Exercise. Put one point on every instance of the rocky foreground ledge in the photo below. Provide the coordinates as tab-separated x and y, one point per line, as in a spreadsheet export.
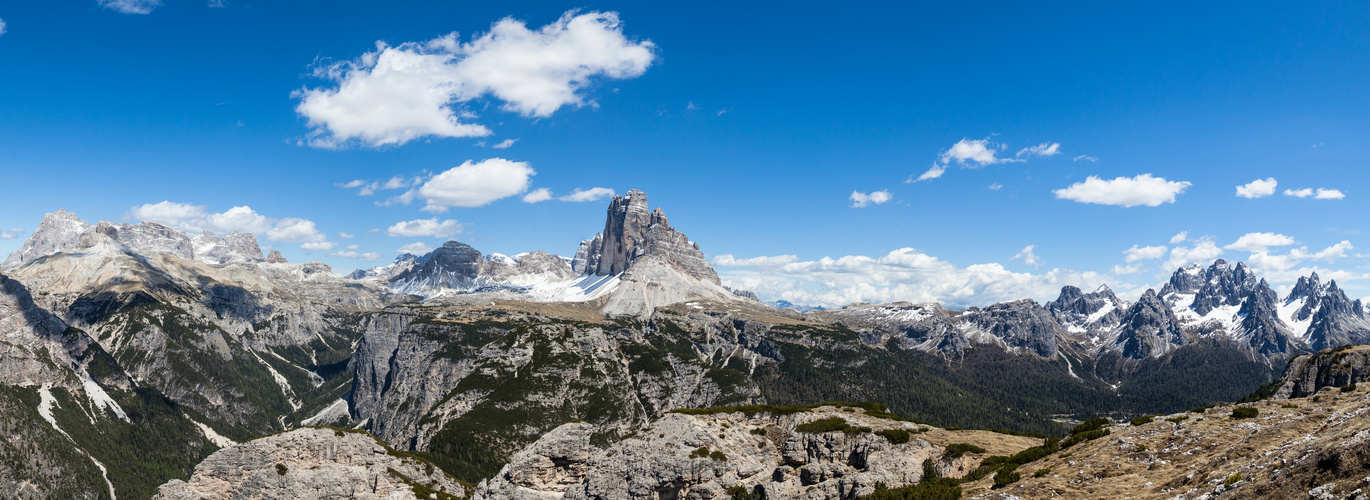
313	463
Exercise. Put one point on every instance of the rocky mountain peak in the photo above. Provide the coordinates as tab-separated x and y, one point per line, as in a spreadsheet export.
1150	328
232	247
1307	286
275	257
59	231
632	232
454	265
1079	311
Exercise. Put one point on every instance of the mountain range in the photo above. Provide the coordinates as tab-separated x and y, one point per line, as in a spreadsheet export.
133	351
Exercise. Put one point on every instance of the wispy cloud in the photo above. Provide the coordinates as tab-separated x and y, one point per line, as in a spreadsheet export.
131	6
1028	256
859	199
1044	149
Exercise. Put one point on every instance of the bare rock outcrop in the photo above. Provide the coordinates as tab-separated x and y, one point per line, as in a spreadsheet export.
1306	375
311	463
715	455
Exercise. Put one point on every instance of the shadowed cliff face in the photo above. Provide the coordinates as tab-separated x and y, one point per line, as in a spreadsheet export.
632	232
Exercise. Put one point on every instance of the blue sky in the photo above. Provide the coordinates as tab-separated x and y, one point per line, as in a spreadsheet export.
757	129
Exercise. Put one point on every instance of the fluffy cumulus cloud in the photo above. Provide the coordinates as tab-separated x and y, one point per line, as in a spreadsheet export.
193	219
1203	252
394	95
1329	194
592	194
131	6
537	195
904	274
1124	191
1179	237
471	184
1137	253
859	199
12	233
1260	242
1299	193
416	248
1043	149
425	227
505	144
1258	188
1028	257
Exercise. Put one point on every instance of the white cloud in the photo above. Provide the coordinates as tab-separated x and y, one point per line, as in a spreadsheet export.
1043	149
1085	158
2	26
131	6
859	199
1259	242
1321	193
397	94
1179	237
352	247
416	248
1263	260
1257	188
1299	193
936	171
1028	257
692	106
727	260
346	254
996	186
346	235
322	246
1128	269
1124	191
505	144
195	218
980	152
537	195
293	230
904	274
370	188
13	233
1329	194
471	185
166	212
1203	251
425	227
1136	253
591	194
241	219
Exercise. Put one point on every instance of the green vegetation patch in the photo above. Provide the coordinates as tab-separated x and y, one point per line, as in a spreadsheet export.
1143	420
1245	412
955	450
895	436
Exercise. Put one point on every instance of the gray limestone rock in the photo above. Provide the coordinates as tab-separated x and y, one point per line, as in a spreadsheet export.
310	463
712	455
1307	375
1021	323
232	247
60	230
631	232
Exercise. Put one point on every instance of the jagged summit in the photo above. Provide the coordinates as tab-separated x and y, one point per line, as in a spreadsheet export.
631	233
62	231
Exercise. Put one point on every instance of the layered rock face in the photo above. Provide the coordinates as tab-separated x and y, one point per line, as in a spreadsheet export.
232	247
714	455
311	463
59	231
455	265
1019	324
631	232
1149	328
1092	312
1310	374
